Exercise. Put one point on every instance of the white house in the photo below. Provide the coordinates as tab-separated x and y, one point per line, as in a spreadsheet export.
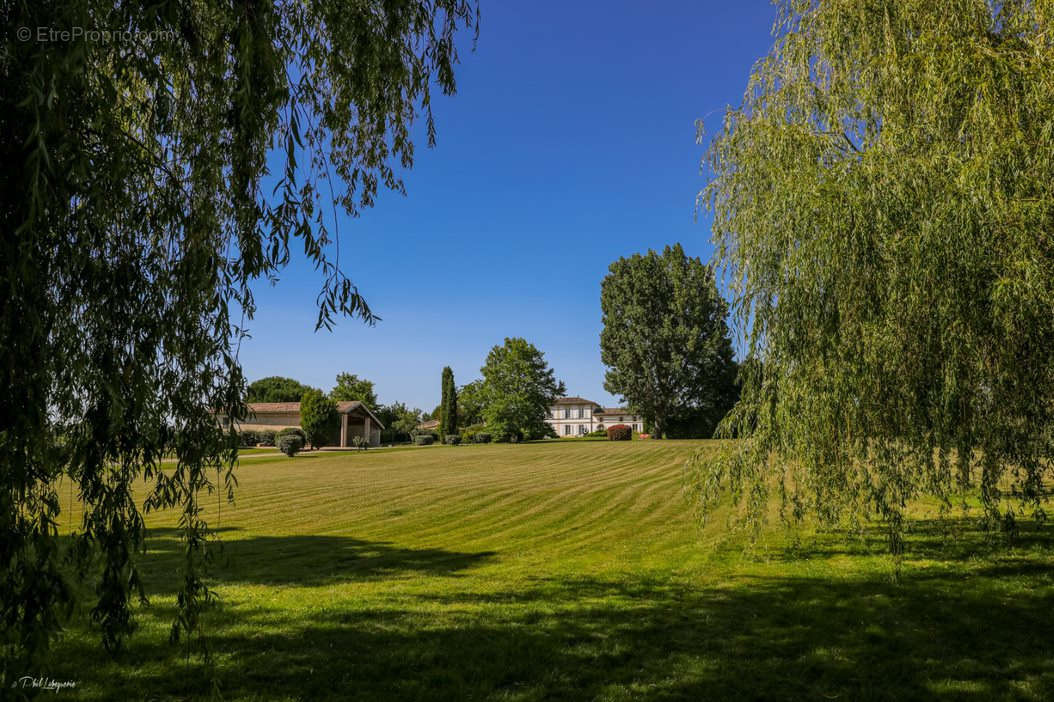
576	416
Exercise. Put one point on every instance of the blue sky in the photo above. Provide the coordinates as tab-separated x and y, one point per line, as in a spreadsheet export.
570	143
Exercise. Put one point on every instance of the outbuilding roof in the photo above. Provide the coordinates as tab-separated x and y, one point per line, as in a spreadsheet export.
346	407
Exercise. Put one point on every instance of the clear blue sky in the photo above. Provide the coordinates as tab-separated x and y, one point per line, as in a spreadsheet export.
570	143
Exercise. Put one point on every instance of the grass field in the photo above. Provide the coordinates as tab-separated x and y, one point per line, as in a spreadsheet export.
565	570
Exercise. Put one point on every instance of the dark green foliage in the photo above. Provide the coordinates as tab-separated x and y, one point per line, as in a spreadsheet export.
424	439
319	418
471	403
289	444
619	432
452	439
399	421
351	387
509	437
481	437
665	340
448	405
294	431
138	211
470	431
275	389
546	431
266	437
518	387
701	423
883	204
248	438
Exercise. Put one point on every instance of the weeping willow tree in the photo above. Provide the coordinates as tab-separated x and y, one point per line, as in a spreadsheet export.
138	206
883	206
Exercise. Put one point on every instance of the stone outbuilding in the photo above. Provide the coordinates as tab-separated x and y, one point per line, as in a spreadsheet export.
356	419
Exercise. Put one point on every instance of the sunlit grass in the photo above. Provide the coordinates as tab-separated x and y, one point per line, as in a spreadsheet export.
566	570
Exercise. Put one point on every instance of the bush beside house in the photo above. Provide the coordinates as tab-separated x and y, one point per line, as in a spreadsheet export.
289	444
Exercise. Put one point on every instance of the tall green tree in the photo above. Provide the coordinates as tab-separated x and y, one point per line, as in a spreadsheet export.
318	418
406	422
275	389
883	201
448	406
146	186
665	340
351	387
399	420
519	387
471	403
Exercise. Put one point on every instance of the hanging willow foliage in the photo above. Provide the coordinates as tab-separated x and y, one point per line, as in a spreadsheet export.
883	208
137	210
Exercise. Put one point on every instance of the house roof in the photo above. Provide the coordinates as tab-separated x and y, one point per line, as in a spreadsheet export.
273	407
347	407
574	401
614	410
430	424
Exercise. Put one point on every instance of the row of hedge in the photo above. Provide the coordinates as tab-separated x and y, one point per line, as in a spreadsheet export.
475	434
247	438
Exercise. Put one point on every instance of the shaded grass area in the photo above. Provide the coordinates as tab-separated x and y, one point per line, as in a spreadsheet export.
568	570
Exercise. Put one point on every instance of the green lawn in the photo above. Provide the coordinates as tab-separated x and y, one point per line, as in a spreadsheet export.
566	570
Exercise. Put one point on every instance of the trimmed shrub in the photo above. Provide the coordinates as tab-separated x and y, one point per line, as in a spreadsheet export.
620	432
292	430
289	444
453	439
468	434
265	437
481	437
424	439
360	442
598	432
248	438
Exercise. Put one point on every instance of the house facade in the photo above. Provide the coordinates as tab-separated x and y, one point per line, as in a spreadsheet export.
356	419
577	416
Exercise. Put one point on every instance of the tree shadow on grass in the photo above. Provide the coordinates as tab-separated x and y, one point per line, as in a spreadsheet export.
942	540
960	624
953	630
301	560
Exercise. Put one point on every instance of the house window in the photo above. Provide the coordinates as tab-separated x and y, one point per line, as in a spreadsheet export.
567	413
585	413
567	430
578	412
582	429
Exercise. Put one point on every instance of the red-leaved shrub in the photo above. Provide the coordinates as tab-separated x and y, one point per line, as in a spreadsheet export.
620	432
